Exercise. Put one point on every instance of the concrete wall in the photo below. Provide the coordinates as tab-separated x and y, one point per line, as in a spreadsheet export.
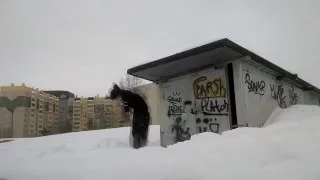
150	93
311	98
193	104
258	93
19	118
5	123
20	114
199	102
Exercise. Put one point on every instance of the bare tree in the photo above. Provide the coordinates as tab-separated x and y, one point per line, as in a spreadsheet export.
130	82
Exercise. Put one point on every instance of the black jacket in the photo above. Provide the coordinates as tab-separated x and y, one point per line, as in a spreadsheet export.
134	101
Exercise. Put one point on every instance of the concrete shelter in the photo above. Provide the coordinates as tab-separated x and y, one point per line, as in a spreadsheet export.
217	87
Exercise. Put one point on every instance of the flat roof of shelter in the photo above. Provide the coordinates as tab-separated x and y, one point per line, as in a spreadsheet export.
212	54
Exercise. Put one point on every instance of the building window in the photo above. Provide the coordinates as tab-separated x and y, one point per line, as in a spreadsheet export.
37	103
46	106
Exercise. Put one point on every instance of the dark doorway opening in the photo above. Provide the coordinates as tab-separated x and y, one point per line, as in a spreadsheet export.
234	121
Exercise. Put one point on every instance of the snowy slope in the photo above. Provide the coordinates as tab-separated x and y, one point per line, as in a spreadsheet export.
287	148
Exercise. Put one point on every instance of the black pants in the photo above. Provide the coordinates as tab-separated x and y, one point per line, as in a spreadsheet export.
140	127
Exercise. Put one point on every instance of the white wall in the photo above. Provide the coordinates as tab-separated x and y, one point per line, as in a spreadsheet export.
20	115
192	104
5	123
258	94
18	122
182	109
150	93
311	98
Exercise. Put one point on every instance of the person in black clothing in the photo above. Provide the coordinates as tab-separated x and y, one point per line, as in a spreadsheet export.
141	116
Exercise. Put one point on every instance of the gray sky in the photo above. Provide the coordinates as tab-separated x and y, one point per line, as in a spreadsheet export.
84	46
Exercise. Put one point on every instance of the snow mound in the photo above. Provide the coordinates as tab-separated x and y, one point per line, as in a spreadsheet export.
294	113
287	148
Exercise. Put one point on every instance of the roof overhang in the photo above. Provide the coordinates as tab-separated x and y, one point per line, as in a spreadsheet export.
212	54
185	62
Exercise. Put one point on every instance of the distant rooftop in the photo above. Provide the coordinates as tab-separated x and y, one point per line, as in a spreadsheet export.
58	93
90	98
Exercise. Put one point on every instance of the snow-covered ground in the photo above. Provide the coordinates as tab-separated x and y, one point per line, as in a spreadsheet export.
287	148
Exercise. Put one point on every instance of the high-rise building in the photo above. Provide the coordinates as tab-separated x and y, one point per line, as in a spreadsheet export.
119	117
108	114
68	128
76	114
65	111
98	113
27	112
90	113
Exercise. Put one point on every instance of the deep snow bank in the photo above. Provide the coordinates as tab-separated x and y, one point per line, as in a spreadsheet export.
295	113
287	149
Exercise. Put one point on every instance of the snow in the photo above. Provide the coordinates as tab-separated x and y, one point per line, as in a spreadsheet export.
286	147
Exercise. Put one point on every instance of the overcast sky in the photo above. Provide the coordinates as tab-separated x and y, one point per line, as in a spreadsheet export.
84	46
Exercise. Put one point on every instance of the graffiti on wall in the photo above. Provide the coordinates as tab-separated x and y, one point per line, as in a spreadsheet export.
207	124
203	88
212	102
256	87
277	93
293	96
212	106
193	110
175	110
212	95
175	104
182	132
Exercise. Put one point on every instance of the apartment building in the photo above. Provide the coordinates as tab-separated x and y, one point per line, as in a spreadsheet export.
108	114
49	109
119	117
98	113
27	112
90	112
68	127
76	114
65	109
